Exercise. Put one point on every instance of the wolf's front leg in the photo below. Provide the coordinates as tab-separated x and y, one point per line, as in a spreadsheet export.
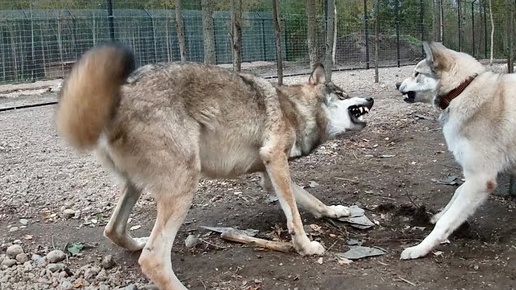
278	171
309	202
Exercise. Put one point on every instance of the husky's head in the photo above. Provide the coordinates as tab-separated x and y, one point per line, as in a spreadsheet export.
344	113
439	73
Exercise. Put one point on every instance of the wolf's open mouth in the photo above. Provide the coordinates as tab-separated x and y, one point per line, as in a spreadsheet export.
410	96
357	112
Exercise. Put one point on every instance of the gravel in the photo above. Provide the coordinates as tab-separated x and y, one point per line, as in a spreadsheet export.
43	180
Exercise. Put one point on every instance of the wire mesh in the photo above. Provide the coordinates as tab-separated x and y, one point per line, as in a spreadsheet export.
43	39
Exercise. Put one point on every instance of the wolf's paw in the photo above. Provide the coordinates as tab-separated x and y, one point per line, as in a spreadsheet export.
135	244
338	211
413	253
312	248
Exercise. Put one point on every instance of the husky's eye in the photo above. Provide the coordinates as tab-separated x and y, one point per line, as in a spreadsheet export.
416	74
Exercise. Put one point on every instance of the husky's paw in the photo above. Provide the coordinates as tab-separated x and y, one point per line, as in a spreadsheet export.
413	253
436	217
312	248
338	211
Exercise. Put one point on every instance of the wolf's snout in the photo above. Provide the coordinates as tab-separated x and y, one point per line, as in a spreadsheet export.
398	84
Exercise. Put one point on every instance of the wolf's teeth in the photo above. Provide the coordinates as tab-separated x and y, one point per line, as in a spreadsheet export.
366	109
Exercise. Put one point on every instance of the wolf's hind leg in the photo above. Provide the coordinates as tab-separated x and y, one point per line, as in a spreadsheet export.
116	229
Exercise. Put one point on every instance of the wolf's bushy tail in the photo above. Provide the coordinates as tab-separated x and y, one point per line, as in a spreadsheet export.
91	93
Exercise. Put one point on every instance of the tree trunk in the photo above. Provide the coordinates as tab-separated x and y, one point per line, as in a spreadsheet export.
376	36
180	31
208	32
236	25
311	13
492	32
510	34
277	25
328	61
334	49
441	21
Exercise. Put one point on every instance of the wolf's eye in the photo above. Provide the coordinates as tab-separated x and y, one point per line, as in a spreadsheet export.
416	74
340	95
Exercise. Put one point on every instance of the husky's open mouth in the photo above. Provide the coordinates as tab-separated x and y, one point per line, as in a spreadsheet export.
410	96
357	112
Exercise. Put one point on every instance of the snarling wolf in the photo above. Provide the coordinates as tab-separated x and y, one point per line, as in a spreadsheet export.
164	126
479	126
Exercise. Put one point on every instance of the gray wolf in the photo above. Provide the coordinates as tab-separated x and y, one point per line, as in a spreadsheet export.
478	125
164	126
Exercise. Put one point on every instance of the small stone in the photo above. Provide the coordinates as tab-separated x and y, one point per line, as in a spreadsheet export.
68	213
108	262
13	229
56	256
22	258
53	267
40	261
191	241
131	287
66	285
13	250
102	275
24	222
8	262
91	272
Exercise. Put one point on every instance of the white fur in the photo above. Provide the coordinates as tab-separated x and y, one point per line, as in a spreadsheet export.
339	120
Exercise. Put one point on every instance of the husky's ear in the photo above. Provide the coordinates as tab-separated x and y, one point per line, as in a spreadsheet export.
436	55
318	75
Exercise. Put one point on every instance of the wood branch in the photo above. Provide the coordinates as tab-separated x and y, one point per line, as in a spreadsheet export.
235	236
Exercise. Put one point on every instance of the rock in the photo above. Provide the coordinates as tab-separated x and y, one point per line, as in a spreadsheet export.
54	267
66	285
102	276
13	250
91	273
56	256
191	241
24	222
108	262
68	213
131	287
40	261
13	229
8	262
22	258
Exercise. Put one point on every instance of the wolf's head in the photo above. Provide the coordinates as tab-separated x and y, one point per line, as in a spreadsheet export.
440	72
344	113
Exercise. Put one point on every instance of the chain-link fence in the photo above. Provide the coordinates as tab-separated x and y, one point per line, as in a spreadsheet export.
41	39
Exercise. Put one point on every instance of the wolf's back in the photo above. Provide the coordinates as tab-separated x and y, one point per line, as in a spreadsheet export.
91	93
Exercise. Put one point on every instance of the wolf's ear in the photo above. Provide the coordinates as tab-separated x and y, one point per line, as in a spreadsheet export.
436	55
318	75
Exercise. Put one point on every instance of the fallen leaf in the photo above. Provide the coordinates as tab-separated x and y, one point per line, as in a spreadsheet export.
344	261
315	228
75	248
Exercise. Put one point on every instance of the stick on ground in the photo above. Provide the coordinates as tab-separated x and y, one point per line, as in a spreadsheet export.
235	236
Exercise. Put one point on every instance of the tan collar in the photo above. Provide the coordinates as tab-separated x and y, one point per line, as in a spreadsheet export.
446	99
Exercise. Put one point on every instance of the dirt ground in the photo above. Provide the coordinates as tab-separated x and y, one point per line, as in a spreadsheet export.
391	169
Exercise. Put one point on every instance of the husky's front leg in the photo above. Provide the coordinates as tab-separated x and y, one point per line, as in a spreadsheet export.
309	202
276	164
472	194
